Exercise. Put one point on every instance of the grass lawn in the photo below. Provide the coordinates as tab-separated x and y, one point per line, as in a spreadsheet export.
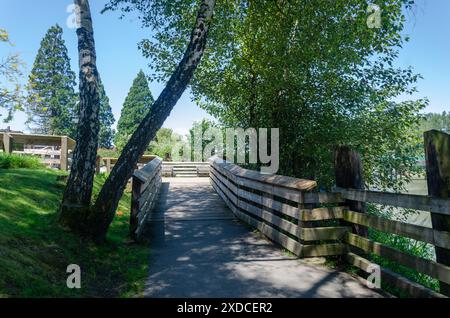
35	252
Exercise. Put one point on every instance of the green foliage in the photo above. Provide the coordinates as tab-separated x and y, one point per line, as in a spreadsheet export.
166	145
35	252
194	133
52	101
11	71
136	106
106	118
313	69
435	121
104	152
14	161
404	244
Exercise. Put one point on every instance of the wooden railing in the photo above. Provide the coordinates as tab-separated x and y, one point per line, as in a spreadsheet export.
188	168
146	184
280	207
359	246
320	224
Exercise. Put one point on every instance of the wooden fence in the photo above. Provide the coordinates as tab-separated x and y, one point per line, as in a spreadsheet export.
280	207
185	169
335	223
146	184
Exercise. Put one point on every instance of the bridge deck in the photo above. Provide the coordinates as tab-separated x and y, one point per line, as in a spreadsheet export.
198	249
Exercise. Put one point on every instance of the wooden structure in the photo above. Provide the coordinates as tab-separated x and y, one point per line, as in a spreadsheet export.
277	207
54	150
109	162
291	213
185	169
146	184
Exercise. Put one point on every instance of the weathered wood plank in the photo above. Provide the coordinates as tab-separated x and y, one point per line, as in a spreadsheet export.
320	214
224	180
408	201
323	250
420	233
283	181
421	265
324	233
231	196
437	154
411	288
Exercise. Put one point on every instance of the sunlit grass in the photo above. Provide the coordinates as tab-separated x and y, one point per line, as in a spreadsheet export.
35	252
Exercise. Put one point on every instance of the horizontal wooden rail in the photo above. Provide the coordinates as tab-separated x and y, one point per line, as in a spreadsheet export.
417	232
408	201
275	206
146	184
437	238
411	288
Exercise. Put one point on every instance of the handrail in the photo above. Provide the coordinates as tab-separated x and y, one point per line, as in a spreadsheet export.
437	238
403	200
285	211
146	184
275	205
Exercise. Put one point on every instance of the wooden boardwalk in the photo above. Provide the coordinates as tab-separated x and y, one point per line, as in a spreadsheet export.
198	249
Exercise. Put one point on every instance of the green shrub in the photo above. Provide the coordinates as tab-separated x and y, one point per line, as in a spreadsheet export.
14	161
404	244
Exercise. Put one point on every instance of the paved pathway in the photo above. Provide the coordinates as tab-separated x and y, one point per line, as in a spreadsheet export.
198	249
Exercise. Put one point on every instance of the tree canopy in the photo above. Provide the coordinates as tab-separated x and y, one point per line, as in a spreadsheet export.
11	70
320	71
135	108
106	118
52	101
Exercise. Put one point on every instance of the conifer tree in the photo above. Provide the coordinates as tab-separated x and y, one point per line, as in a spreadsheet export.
52	101
134	110
106	118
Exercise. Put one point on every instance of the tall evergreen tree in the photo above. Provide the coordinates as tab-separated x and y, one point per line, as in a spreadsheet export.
52	101
134	110
106	117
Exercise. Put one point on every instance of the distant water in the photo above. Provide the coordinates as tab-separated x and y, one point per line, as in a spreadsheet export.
419	186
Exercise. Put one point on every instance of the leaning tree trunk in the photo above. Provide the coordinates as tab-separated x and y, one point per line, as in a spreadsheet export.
77	195
103	212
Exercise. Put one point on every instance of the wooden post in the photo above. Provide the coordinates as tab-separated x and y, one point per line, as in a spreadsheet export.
64	157
135	196
437	154
349	174
7	143
97	164
108	165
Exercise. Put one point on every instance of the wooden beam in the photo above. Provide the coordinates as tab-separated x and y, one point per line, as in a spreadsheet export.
421	265
64	156
416	232
402	200
349	174
7	143
437	152
411	288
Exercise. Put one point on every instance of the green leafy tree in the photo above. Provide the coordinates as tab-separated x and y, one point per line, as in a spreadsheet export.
316	70
11	70
106	118
52	101
167	144
435	121
135	108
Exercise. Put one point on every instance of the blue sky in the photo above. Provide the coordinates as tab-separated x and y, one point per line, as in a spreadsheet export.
119	60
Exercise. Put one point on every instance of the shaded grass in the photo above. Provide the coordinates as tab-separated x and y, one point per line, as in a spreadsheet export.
35	252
